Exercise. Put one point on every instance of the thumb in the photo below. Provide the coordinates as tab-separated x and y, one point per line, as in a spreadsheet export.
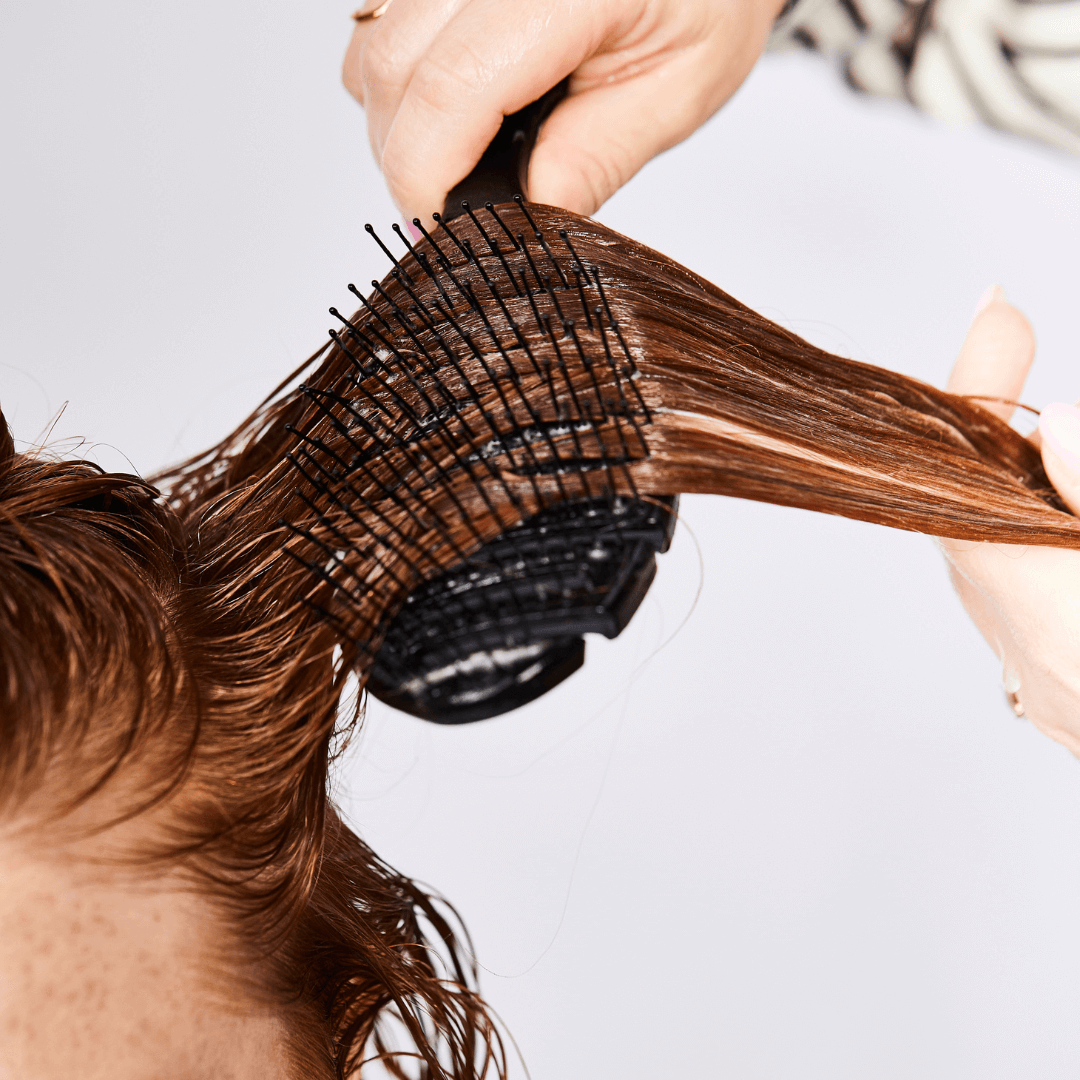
1059	426
601	135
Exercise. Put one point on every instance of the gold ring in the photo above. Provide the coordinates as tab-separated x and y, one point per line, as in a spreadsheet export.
374	13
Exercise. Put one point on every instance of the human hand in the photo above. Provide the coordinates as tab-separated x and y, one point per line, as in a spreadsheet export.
437	76
1024	600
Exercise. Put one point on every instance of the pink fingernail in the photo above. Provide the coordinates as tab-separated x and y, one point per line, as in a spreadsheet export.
413	231
992	294
1059	425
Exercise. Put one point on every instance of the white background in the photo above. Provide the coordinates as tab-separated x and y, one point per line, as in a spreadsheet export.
807	839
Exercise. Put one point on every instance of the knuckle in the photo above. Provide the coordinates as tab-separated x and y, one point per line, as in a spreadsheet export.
350	79
383	63
350	71
444	82
396	165
604	172
406	177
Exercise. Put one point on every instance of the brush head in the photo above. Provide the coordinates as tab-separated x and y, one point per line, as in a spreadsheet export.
506	626
478	416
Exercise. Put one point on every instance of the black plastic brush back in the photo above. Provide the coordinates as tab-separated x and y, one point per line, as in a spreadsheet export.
505	626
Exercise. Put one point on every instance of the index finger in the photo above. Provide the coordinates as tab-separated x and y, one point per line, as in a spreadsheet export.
384	51
490	60
996	356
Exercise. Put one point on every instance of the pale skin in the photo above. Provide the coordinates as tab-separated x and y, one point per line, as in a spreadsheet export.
108	974
437	76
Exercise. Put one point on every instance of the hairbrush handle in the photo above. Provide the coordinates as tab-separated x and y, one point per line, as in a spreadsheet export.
503	168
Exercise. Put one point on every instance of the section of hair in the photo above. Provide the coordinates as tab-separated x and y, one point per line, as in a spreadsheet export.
525	357
360	956
89	563
133	678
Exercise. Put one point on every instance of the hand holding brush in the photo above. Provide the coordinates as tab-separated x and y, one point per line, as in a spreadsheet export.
436	78
436	81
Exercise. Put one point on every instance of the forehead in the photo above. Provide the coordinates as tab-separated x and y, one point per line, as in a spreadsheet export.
118	979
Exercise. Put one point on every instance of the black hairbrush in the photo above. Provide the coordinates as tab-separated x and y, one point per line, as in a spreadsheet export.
485	458
483	465
506	625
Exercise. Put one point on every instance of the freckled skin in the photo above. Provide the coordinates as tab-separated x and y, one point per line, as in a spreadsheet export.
104	977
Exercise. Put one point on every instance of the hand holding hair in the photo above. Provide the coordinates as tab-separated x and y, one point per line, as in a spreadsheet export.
437	76
1024	600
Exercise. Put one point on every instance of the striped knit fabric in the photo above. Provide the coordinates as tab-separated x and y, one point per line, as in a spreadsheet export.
1014	64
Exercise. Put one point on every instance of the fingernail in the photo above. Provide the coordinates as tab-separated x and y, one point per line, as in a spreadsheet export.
992	294
413	231
1010	683
1059	425
1010	680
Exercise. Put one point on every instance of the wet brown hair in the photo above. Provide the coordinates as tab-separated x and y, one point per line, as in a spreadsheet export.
130	687
509	364
534	357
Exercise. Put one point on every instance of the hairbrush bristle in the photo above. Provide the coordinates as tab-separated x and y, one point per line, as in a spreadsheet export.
485	374
524	369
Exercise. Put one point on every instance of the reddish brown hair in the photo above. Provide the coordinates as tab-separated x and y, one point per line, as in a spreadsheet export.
220	622
132	674
493	375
